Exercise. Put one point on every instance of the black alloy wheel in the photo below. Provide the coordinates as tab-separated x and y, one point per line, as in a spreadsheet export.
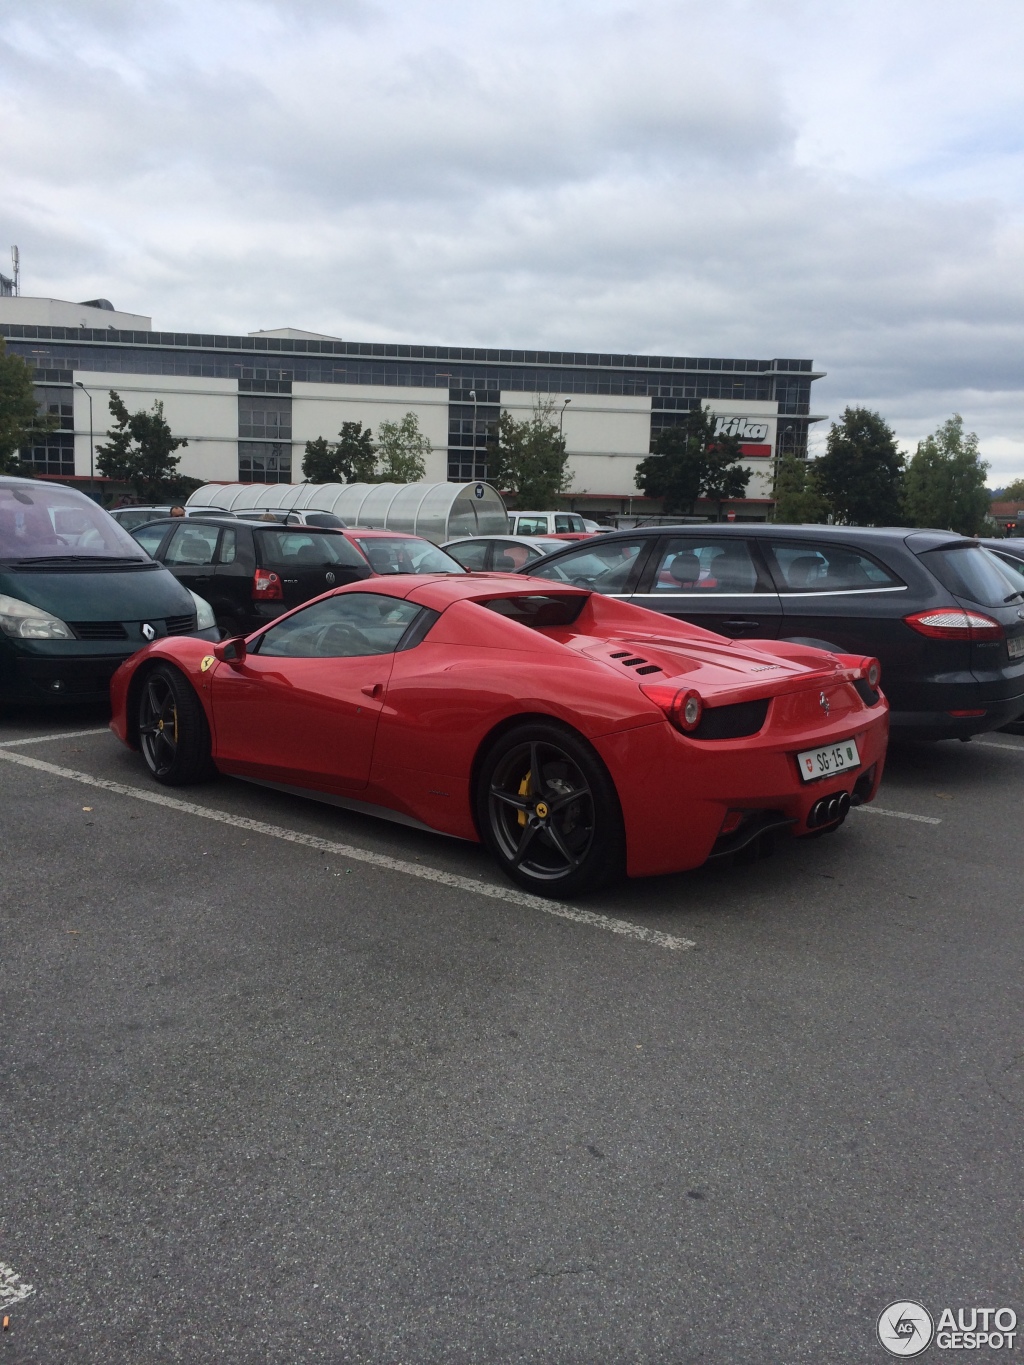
548	811
173	734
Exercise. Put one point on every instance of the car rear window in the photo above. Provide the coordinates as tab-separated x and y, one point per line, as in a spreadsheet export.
291	547
540	611
977	574
406	554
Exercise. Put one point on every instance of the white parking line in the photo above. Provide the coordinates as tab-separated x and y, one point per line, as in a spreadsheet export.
13	1288
900	814
46	739
362	855
1006	748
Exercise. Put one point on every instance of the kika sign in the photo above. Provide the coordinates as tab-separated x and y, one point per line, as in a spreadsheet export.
744	428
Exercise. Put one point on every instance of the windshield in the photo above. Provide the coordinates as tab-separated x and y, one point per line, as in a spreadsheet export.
47	522
298	545
406	554
976	574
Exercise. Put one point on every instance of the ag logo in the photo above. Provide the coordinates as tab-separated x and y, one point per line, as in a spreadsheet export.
148	631
905	1328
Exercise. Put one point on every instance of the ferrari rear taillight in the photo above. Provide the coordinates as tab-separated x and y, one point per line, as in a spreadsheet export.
266	586
953	623
682	706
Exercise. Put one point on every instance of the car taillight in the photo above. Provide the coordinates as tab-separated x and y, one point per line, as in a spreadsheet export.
266	586
952	623
872	672
682	706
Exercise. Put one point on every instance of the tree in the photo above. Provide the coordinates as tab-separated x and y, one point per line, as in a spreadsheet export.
945	481
692	461
861	472
528	459
140	453
352	459
797	495
21	422
320	461
402	449
1013	492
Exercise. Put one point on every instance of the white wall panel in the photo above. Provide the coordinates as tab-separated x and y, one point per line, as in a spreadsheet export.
592	423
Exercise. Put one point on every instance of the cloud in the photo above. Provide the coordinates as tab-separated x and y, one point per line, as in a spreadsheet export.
736	178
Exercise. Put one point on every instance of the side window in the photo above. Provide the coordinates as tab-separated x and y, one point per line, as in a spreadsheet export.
471	555
532	526
564	523
342	627
691	564
193	544
228	547
806	567
149	537
600	565
508	556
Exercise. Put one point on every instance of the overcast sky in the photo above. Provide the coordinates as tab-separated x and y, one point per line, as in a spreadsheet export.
834	179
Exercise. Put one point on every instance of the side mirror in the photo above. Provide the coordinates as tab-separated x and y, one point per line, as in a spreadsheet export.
231	651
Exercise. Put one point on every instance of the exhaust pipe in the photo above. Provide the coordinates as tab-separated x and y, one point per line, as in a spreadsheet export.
830	810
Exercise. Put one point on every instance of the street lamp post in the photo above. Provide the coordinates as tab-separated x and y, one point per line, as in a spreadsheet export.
80	385
472	394
565	404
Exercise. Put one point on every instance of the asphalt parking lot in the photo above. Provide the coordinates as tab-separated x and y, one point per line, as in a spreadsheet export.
282	1083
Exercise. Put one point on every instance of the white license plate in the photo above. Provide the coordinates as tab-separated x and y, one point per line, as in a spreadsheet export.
1015	647
834	758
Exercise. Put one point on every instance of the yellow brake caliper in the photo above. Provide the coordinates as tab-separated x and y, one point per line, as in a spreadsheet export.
524	790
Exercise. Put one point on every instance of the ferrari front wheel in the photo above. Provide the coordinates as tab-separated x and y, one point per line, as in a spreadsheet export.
548	811
173	734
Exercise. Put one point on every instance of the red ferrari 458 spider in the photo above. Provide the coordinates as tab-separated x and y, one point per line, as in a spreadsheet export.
577	736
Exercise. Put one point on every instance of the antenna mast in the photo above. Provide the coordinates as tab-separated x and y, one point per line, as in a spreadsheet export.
16	262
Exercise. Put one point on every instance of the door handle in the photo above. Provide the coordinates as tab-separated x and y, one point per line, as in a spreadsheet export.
741	625
375	690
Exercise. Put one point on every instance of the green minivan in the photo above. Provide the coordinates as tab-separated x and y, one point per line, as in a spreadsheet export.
78	595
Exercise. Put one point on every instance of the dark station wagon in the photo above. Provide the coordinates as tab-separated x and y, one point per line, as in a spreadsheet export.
944	616
252	571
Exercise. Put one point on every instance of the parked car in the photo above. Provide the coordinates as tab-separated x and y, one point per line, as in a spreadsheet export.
132	517
502	554
943	614
77	596
576	737
289	517
393	552
252	571
546	524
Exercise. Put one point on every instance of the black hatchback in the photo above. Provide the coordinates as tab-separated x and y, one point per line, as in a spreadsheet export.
252	571
943	615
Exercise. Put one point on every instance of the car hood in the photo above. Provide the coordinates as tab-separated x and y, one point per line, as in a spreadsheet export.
719	669
130	593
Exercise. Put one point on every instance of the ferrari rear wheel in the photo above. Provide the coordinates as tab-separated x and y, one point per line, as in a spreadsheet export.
548	811
173	734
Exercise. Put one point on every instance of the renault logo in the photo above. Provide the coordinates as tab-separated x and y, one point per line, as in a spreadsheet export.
148	631
823	703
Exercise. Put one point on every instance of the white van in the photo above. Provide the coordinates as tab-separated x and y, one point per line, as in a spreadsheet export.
546	523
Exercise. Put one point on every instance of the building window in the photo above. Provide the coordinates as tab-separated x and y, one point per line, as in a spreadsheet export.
469	431
52	454
264	462
262	418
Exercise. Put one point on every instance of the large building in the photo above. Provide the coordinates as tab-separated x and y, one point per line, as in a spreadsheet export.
248	404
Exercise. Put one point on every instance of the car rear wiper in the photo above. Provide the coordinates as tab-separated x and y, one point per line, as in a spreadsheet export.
79	559
1013	597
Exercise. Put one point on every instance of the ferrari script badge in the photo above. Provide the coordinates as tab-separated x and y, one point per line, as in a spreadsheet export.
208	662
148	631
823	703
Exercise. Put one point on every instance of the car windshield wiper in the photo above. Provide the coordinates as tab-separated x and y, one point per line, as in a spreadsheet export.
79	559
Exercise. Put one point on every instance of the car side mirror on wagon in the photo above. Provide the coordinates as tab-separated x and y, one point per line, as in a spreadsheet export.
231	651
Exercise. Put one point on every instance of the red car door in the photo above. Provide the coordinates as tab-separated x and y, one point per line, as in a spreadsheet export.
302	708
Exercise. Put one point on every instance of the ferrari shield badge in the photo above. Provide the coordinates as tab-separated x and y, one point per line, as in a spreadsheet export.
208	663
